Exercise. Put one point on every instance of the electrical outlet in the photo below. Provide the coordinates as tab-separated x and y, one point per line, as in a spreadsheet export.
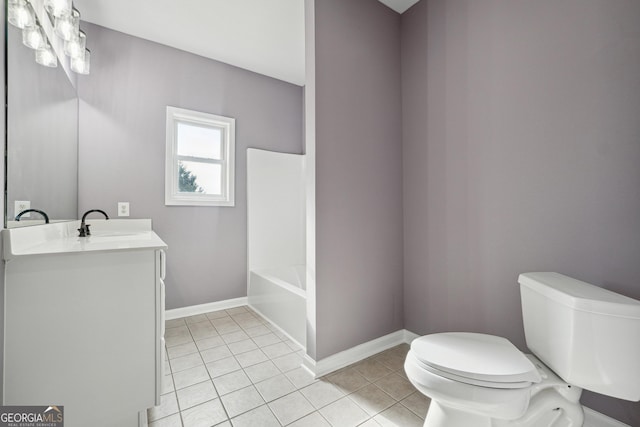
123	208
22	205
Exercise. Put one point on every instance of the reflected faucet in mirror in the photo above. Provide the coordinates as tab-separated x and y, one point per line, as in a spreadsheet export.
44	215
84	227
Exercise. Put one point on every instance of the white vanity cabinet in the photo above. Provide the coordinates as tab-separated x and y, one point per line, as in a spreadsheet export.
84	328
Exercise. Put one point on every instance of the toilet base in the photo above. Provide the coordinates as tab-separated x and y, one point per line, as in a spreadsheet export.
442	416
549	407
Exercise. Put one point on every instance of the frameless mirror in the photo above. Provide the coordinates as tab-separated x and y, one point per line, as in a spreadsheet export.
42	137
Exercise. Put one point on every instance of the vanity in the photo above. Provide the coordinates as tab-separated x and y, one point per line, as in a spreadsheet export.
84	320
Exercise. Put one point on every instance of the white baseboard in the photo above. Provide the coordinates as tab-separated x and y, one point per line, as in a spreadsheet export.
596	419
357	353
193	310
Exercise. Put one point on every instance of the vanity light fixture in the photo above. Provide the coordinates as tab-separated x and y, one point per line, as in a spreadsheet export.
65	21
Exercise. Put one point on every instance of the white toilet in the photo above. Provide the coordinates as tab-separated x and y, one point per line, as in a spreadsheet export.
583	337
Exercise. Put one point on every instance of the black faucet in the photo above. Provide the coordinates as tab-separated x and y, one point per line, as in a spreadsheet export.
46	217
84	228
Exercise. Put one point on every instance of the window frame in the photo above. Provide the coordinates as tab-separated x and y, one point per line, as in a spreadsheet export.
173	197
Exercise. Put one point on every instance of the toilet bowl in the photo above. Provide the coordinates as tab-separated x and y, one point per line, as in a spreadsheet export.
483	380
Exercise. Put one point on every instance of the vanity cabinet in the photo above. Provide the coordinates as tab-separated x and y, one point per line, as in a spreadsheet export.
85	328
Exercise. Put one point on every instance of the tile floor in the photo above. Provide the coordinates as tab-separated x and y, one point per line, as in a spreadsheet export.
233	368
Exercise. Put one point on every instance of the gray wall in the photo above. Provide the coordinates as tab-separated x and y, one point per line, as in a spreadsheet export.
521	151
358	174
122	151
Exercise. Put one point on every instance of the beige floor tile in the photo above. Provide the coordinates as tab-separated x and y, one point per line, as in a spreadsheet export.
204	415
276	350
392	359
175	340
190	377
372	399
371	370
344	413
370	423
257	331
417	403
229	383
234	337
182	330
241	401
166	384
266	339
211	342
168	406
196	394
228	328
222	367
291	407
174	323
395	386
170	421
321	393
252	357
236	310
300	377
274	388
182	350
185	362
216	314
216	353
261	371
288	362
195	319
314	419
348	380
242	346
258	417
398	416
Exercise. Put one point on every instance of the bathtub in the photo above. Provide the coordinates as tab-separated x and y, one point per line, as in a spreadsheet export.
280	296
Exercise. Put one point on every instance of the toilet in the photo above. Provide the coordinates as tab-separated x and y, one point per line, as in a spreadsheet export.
581	337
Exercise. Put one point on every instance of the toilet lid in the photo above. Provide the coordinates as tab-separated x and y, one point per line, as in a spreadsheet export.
480	357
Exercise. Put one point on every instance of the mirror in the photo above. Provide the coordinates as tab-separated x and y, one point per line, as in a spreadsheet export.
42	137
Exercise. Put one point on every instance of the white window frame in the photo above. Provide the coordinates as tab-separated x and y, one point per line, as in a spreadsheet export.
227	125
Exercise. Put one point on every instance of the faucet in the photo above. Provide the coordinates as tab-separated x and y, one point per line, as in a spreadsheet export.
46	217
84	228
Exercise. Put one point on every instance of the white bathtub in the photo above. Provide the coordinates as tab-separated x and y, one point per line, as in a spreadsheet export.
280	296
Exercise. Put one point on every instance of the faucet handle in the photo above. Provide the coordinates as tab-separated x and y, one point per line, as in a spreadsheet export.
82	232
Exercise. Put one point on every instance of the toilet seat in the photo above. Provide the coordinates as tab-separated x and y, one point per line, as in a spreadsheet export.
476	359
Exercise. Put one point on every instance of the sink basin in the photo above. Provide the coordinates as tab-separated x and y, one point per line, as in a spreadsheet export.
48	239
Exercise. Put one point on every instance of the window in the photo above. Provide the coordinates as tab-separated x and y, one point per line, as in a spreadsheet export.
200	159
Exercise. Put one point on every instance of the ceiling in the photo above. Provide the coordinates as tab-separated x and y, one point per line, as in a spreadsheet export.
266	37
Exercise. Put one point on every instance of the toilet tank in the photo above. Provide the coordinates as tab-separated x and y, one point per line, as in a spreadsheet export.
587	335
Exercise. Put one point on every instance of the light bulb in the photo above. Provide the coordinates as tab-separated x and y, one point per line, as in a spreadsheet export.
47	57
82	64
58	8
74	48
67	26
20	14
33	37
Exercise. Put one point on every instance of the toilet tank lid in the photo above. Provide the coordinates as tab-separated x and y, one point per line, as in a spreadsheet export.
580	295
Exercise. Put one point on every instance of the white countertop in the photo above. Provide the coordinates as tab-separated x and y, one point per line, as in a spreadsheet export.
62	238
